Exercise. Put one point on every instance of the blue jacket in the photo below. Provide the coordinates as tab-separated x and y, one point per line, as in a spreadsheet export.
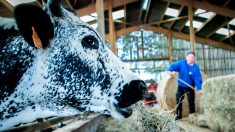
190	74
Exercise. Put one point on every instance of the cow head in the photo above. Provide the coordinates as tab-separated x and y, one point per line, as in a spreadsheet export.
71	70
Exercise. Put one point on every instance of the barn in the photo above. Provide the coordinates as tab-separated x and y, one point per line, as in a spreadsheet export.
122	45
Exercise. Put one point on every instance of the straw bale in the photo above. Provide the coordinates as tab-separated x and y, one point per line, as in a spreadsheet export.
166	94
219	103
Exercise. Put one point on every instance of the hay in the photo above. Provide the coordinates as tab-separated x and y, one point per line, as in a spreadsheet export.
166	93
219	103
108	124
198	119
157	120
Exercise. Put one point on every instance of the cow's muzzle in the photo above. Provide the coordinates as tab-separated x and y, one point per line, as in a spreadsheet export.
132	92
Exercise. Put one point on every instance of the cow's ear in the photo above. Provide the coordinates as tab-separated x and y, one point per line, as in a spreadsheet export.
34	25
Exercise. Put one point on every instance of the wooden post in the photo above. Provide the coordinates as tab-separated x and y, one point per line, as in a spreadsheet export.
112	33
142	42
204	58
100	16
169	39
192	36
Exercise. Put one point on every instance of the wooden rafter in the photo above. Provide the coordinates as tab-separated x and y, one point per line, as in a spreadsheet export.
147	11
206	6
140	12
92	8
209	19
177	35
180	10
163	13
226	37
124	16
7	4
216	28
204	24
167	20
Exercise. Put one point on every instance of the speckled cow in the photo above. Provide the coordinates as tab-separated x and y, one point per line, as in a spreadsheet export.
53	64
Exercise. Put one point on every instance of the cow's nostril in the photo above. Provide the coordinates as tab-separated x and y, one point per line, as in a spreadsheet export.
132	92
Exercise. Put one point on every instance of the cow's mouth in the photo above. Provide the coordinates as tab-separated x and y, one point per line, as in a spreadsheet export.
126	112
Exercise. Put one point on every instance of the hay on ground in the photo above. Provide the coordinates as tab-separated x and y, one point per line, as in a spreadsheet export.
198	119
219	103
157	120
166	95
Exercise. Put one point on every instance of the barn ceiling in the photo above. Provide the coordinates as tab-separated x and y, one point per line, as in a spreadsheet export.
213	20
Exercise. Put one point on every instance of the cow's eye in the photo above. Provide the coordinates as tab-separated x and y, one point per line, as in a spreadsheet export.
90	42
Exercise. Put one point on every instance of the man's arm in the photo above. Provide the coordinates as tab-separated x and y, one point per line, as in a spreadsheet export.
173	67
198	81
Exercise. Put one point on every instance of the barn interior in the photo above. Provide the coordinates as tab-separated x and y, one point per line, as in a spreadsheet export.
148	36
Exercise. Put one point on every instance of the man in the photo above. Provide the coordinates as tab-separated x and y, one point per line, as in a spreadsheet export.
188	72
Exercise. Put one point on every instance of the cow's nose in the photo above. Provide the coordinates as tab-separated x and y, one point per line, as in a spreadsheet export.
132	92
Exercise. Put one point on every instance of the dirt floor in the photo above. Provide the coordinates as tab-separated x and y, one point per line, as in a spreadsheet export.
193	128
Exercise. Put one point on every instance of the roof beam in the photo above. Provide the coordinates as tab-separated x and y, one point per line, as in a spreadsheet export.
216	28
92	8
7	4
163	13
204	24
177	35
206	6
209	19
180	10
147	11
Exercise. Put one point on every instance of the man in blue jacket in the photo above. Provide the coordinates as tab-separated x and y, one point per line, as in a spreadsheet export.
189	72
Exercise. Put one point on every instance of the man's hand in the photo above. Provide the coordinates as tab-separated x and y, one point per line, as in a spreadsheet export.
199	92
170	73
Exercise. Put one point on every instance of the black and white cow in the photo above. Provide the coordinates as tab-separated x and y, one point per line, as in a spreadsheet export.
53	64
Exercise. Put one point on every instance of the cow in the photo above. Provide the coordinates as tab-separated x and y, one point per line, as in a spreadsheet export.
53	64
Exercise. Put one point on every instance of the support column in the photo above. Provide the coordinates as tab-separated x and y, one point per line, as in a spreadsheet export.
112	32
100	16
169	39
192	35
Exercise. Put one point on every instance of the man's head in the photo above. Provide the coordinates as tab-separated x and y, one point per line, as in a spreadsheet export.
190	57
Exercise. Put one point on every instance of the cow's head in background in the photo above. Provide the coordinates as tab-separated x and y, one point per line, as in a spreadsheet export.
66	70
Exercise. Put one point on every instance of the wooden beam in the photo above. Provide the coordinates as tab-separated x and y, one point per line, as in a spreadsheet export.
167	20
204	24
179	35
169	39
216	28
92	8
209	19
191	30
226	37
124	17
163	13
112	28
147	11
206	6
140	12
7	5
100	18
180	10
